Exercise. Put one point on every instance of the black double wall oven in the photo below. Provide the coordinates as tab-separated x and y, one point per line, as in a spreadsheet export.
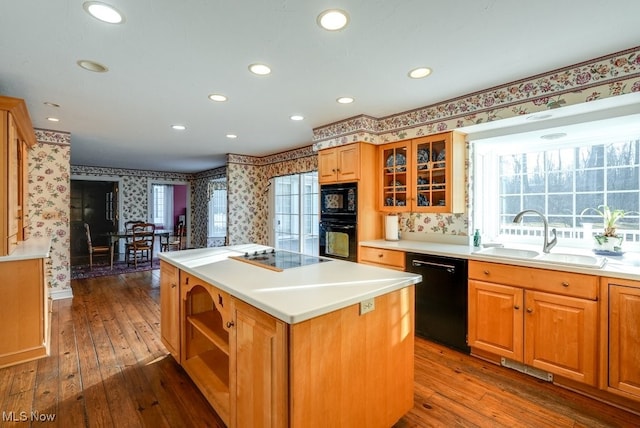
339	221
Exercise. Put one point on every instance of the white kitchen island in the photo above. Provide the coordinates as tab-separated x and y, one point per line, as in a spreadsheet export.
326	344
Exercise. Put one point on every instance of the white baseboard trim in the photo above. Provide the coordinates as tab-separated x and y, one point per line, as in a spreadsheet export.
64	293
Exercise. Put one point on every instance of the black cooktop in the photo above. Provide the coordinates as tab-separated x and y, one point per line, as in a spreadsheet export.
281	259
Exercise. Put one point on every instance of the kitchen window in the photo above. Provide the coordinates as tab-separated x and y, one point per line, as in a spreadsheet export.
295	216
217	226
560	179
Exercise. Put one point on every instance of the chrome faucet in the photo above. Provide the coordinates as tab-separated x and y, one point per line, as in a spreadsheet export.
546	246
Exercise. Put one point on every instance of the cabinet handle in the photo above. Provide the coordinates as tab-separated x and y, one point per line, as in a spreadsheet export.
486	272
173	286
516	307
381	255
230	324
529	310
333	170
565	284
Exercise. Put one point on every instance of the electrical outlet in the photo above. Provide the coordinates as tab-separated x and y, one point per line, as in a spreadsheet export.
367	306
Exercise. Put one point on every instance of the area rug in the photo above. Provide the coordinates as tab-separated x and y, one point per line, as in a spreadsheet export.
120	267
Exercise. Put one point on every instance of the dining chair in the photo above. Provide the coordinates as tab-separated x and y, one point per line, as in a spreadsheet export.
95	249
175	242
141	246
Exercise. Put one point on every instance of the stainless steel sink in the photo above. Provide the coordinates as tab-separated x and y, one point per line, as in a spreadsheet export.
512	253
567	259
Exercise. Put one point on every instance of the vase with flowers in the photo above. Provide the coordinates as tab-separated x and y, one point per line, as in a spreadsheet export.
608	241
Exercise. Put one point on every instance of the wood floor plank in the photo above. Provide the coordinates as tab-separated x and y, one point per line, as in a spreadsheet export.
45	399
71	400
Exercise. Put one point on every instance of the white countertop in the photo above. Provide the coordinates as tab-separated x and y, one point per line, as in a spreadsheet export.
293	295
32	248
624	267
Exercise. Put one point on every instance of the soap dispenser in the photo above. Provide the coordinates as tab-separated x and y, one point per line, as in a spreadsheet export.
477	239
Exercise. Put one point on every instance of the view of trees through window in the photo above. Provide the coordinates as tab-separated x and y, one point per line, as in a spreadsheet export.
561	182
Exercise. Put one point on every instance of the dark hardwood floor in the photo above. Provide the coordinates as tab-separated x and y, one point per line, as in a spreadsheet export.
108	368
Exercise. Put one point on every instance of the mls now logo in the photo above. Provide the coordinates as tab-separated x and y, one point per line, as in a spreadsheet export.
27	416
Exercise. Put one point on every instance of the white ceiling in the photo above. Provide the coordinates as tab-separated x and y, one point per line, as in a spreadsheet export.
170	55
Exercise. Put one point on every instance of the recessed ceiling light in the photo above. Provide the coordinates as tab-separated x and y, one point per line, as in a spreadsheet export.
217	97
232	136
553	136
259	69
53	119
103	12
420	72
345	100
50	104
179	127
333	19
92	66
296	117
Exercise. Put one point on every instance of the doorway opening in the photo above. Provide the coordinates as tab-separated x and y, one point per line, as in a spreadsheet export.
95	203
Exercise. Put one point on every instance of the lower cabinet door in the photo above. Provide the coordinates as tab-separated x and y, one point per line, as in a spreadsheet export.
560	335
258	371
170	308
624	337
495	319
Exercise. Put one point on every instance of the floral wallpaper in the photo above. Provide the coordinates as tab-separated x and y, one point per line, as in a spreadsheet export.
134	186
49	195
200	207
608	76
247	180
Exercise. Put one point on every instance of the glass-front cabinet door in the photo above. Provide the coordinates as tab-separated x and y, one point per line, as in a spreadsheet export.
395	173
432	178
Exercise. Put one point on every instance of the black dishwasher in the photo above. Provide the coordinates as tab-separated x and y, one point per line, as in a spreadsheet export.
441	299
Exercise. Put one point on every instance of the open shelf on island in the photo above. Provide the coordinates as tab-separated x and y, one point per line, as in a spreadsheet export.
210	371
209	325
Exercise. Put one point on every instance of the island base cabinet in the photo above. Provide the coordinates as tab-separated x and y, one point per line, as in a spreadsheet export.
624	340
205	349
170	308
259	378
352	370
24	319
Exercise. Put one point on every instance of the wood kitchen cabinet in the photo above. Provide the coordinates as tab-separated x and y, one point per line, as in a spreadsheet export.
170	308
391	259
205	353
541	318
259	377
621	338
339	164
16	137
426	174
24	319
256	370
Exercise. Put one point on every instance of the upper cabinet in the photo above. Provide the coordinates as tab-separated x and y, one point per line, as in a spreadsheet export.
16	137
425	174
338	164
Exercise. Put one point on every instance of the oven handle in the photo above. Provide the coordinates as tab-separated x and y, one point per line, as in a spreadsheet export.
420	263
338	226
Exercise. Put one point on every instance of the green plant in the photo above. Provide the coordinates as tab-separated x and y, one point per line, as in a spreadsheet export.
609	216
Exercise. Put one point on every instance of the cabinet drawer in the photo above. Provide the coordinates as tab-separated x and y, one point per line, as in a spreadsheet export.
551	281
385	258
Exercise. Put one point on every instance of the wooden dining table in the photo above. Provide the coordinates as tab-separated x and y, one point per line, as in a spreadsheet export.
115	237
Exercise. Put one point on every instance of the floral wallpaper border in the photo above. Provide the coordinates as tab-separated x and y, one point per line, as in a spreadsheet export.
603	77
